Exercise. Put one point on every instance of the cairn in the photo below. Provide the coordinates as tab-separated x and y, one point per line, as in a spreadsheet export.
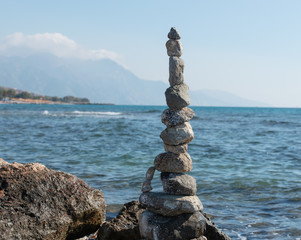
175	212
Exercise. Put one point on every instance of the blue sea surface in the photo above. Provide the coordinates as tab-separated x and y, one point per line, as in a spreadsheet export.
247	161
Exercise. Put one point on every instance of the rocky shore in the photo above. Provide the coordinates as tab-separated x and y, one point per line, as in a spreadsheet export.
40	203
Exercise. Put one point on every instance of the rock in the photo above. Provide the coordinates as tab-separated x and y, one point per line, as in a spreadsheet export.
150	173
172	118
184	226
174	34
177	96
147	186
178	183
176	71
180	134
212	232
171	162
170	205
176	149
174	48
124	226
39	203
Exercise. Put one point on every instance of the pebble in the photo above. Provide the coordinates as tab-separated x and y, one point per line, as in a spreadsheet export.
177	96
176	149
174	48
178	184
171	162
186	226
176	71
180	134
170	205
174	34
172	118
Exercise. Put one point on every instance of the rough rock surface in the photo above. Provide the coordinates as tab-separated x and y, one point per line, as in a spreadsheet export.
174	48
174	34
172	162
176	149
178	183
176	71
132	212
170	205
177	96
177	135
172	118
39	203
184	226
124	226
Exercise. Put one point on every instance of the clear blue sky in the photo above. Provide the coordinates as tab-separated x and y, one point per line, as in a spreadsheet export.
251	48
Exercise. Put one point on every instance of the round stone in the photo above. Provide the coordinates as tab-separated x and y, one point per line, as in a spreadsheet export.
174	48
174	34
178	184
176	149
176	71
177	96
176	117
170	205
185	226
180	134
171	162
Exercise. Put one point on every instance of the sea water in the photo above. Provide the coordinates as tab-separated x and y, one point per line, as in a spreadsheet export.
247	161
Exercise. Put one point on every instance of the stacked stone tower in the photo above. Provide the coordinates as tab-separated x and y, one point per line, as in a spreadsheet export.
175	212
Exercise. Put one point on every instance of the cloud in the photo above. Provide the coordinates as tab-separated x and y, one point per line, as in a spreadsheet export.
18	44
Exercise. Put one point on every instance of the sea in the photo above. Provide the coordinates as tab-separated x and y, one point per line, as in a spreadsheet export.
246	161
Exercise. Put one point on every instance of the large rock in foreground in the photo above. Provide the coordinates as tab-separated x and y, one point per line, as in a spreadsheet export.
39	203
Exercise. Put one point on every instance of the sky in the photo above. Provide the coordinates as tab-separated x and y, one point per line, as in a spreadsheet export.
250	48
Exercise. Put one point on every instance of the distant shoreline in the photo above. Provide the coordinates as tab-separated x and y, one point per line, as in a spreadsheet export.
44	102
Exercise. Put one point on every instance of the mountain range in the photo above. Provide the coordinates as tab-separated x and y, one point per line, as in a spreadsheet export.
102	81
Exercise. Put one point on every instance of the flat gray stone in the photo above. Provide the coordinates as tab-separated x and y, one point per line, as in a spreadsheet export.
172	118
178	184
177	96
176	71
184	226
176	149
174	48
180	134
174	34
170	205
171	162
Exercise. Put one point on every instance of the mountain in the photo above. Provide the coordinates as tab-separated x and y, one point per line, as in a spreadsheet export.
99	80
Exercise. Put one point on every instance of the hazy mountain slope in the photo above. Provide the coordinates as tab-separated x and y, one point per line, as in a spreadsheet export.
100	81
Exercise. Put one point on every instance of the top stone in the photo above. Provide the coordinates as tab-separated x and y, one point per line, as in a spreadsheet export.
174	34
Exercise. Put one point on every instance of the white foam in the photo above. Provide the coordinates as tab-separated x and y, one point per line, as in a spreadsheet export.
45	112
96	113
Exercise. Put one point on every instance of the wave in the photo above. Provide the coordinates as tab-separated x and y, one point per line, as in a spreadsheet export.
96	113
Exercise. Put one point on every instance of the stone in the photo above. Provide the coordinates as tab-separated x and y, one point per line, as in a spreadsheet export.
174	48
178	183
171	162
176	149
174	34
180	134
172	118
40	203
177	96
150	173
125	225
184	226
170	205
176	71
147	186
